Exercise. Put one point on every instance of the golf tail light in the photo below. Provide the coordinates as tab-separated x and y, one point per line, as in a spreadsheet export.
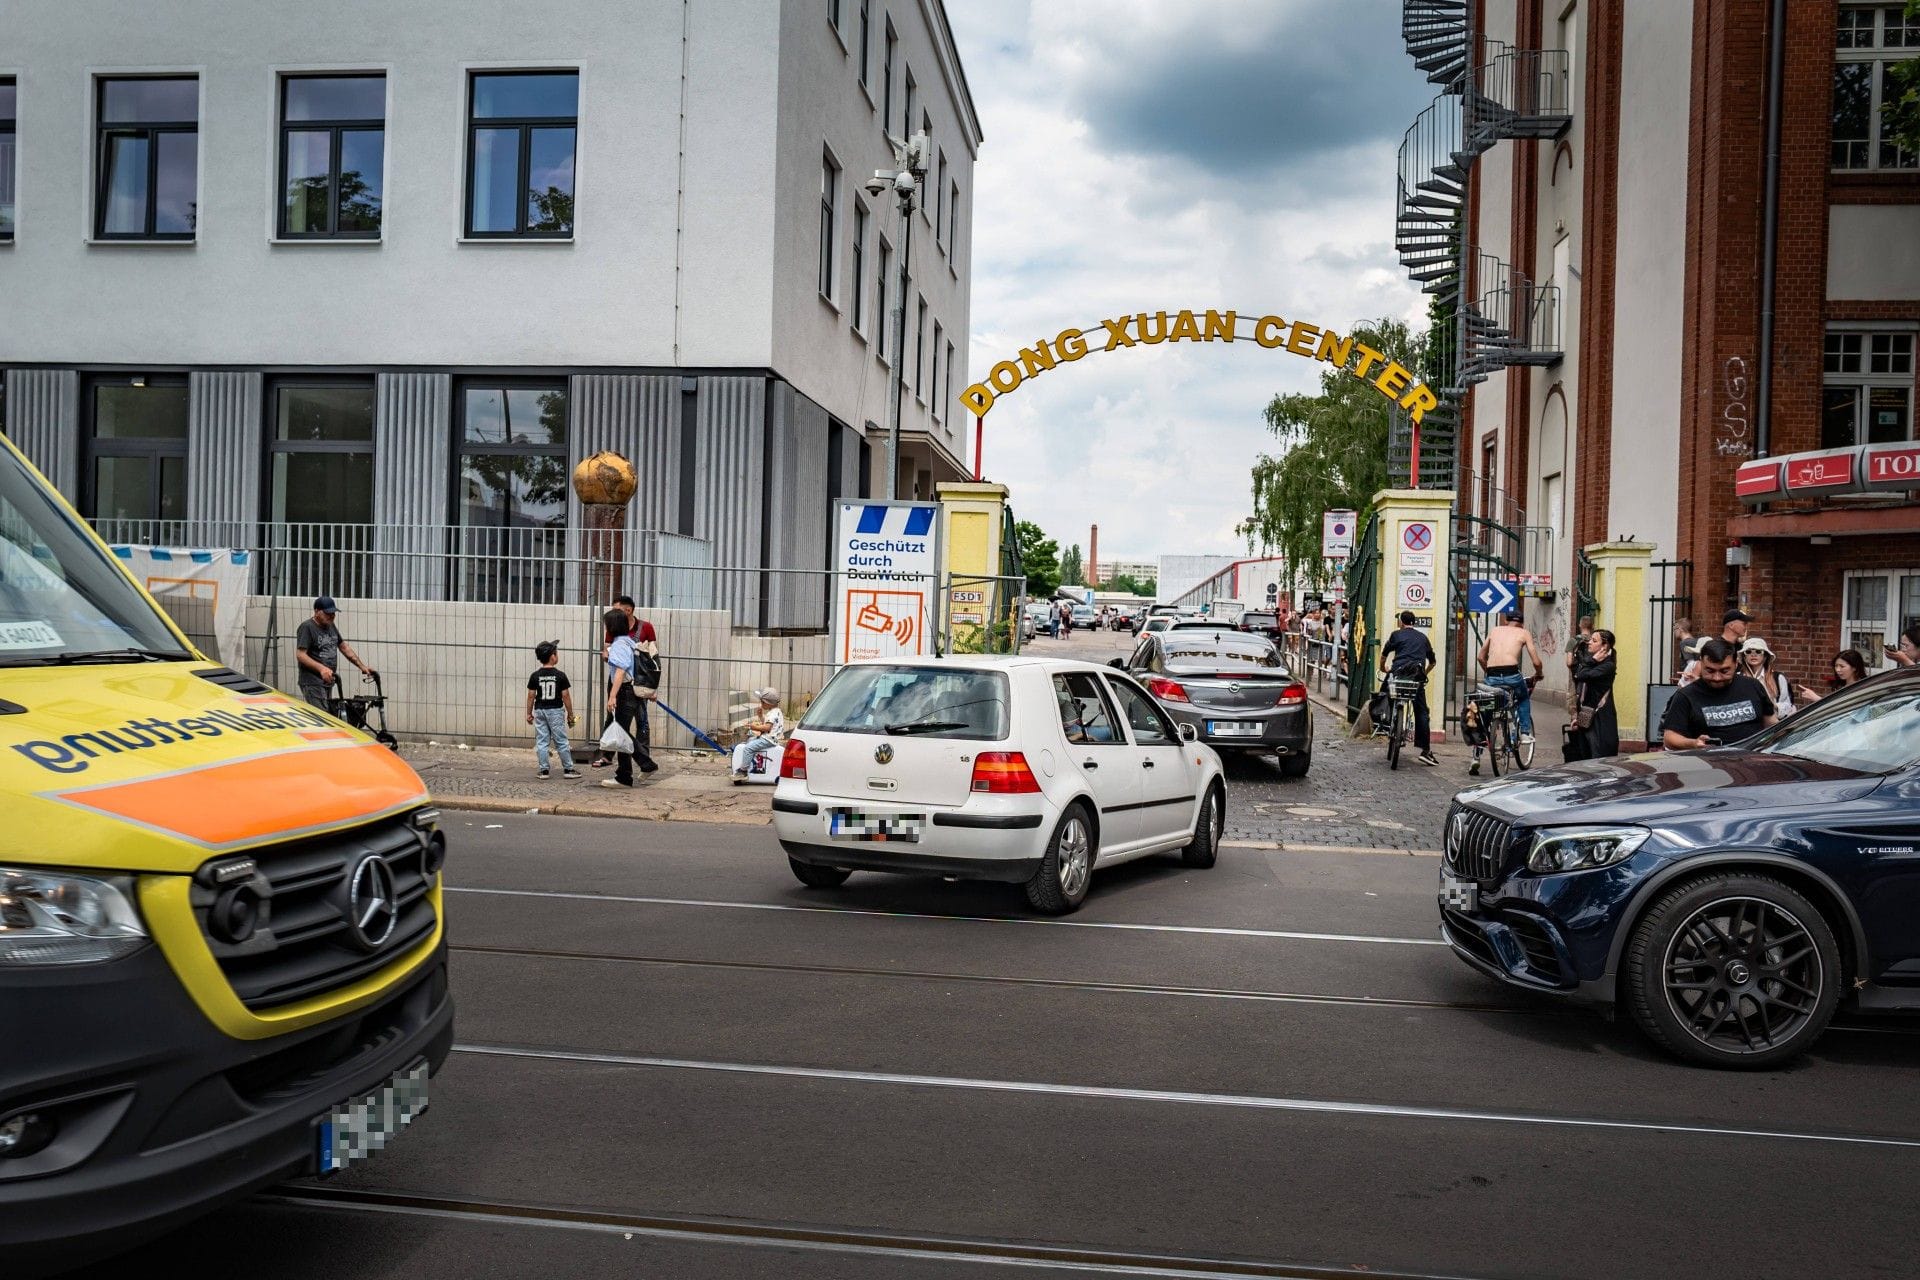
1167	690
793	760
1003	773
1294	695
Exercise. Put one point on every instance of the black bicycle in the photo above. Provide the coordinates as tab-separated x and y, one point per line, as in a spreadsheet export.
1489	723
1401	692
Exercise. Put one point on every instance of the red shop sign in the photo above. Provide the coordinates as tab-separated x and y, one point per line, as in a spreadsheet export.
1833	469
1759	481
1893	466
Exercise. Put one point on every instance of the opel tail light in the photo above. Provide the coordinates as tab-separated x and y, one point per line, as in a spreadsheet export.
1294	695
1167	690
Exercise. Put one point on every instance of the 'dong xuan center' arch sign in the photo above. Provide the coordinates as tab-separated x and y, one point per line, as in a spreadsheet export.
1393	380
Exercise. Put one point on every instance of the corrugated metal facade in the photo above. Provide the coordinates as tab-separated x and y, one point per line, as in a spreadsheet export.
412	443
43	419
796	535
639	418
729	485
223	447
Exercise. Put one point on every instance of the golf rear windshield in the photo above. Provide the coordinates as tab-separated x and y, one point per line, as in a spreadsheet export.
922	702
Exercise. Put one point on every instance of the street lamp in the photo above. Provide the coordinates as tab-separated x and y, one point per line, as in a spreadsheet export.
910	157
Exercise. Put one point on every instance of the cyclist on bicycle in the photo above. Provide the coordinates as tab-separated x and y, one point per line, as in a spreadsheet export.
1500	655
1408	655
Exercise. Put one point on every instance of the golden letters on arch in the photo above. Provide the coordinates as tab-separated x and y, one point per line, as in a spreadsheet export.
1391	378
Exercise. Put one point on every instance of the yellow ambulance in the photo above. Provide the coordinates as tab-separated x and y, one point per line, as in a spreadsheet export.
222	961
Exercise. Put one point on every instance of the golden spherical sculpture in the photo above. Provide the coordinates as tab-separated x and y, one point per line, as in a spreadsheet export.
605	479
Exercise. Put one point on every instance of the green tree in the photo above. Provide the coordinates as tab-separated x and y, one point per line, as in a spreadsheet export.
1073	571
1333	454
1039	560
1900	111
1131	585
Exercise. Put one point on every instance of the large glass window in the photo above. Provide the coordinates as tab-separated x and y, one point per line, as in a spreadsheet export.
323	453
7	96
148	159
829	196
520	148
1867	392
137	450
1870	44
333	133
512	492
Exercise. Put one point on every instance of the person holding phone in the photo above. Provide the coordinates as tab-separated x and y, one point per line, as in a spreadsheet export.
1907	652
1720	708
1849	667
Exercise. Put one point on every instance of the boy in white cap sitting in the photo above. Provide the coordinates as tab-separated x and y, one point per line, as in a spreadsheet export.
767	729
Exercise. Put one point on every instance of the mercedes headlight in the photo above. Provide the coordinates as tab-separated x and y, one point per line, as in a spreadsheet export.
1583	848
52	917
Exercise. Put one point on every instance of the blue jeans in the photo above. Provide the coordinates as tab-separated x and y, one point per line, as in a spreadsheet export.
1516	687
744	753
550	728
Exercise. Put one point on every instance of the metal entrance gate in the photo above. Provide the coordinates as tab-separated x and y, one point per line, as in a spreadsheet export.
1669	599
1364	630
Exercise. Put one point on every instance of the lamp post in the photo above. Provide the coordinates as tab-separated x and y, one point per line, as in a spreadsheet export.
904	181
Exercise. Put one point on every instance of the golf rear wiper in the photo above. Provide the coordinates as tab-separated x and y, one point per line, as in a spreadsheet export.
926	726
114	655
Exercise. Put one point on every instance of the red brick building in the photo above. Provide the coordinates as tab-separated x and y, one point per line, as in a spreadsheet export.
1616	203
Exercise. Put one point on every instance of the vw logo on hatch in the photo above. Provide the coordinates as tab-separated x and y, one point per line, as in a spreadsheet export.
373	908
883	754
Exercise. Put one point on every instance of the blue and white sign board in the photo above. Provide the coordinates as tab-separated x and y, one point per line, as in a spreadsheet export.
203	589
1336	534
1490	595
886	577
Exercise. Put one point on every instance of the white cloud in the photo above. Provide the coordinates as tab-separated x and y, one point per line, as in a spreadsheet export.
1089	204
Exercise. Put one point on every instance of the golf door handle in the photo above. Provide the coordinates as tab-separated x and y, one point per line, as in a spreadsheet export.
1089	764
1146	764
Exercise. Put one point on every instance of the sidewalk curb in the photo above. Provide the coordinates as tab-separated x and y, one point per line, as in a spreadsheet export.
575	809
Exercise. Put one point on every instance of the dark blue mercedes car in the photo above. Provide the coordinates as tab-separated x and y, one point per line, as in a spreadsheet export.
1729	899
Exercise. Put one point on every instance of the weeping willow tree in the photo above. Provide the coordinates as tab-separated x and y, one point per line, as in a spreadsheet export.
1332	454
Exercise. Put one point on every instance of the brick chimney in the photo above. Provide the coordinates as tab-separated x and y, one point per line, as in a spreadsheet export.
1093	558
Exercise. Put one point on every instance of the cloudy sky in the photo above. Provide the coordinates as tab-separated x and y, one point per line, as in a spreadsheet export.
1158	154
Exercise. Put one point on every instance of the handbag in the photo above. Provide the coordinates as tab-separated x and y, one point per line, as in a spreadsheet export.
616	739
1585	715
1576	745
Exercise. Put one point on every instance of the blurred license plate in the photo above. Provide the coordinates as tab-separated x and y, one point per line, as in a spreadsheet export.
355	1130
851	824
1461	895
1235	728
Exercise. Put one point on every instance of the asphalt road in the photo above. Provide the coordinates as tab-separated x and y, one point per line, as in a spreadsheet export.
675	1061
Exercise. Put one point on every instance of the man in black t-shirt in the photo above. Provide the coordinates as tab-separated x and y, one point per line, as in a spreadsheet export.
1720	708
1408	655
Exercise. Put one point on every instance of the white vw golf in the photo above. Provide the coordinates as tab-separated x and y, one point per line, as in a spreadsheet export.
1027	770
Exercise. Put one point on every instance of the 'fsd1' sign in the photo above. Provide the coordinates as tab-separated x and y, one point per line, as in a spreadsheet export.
1893	466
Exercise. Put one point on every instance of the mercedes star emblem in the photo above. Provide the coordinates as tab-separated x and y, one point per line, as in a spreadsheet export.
883	754
373	908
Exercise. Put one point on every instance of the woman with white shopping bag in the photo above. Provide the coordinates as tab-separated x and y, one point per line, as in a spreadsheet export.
623	704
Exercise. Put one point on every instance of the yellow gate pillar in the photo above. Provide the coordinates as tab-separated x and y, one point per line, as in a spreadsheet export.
1414	531
971	518
1620	590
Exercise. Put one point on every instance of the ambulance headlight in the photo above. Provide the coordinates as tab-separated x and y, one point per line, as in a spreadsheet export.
57	917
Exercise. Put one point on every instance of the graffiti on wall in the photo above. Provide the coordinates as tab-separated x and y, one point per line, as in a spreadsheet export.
1730	433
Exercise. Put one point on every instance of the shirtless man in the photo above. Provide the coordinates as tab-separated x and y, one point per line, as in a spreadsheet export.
1500	656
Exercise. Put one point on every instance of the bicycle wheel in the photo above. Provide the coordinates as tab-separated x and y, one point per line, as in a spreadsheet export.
1497	742
1523	751
1396	733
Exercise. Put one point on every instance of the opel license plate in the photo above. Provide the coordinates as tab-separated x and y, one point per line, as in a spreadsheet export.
355	1130
851	824
1234	728
1460	895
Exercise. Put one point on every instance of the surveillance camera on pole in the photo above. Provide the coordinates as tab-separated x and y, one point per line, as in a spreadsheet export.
910	157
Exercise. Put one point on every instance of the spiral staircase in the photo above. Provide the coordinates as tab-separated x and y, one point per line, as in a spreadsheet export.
1487	314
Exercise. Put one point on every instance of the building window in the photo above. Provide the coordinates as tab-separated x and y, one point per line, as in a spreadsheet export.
1879	606
953	220
865	52
933	383
7	94
148	159
333	133
322	453
946	395
512	492
920	352
882	290
1871	42
940	204
1867	396
829	196
833	14
137	449
521	129
906	115
859	268
886	79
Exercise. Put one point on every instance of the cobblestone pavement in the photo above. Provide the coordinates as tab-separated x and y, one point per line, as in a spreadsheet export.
1349	798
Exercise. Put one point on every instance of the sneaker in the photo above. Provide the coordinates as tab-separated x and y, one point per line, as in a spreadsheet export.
1430	759
739	775
572	775
1473	770
614	782
1526	739
542	775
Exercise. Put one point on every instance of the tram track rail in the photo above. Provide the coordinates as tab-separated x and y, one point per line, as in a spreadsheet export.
866	1241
